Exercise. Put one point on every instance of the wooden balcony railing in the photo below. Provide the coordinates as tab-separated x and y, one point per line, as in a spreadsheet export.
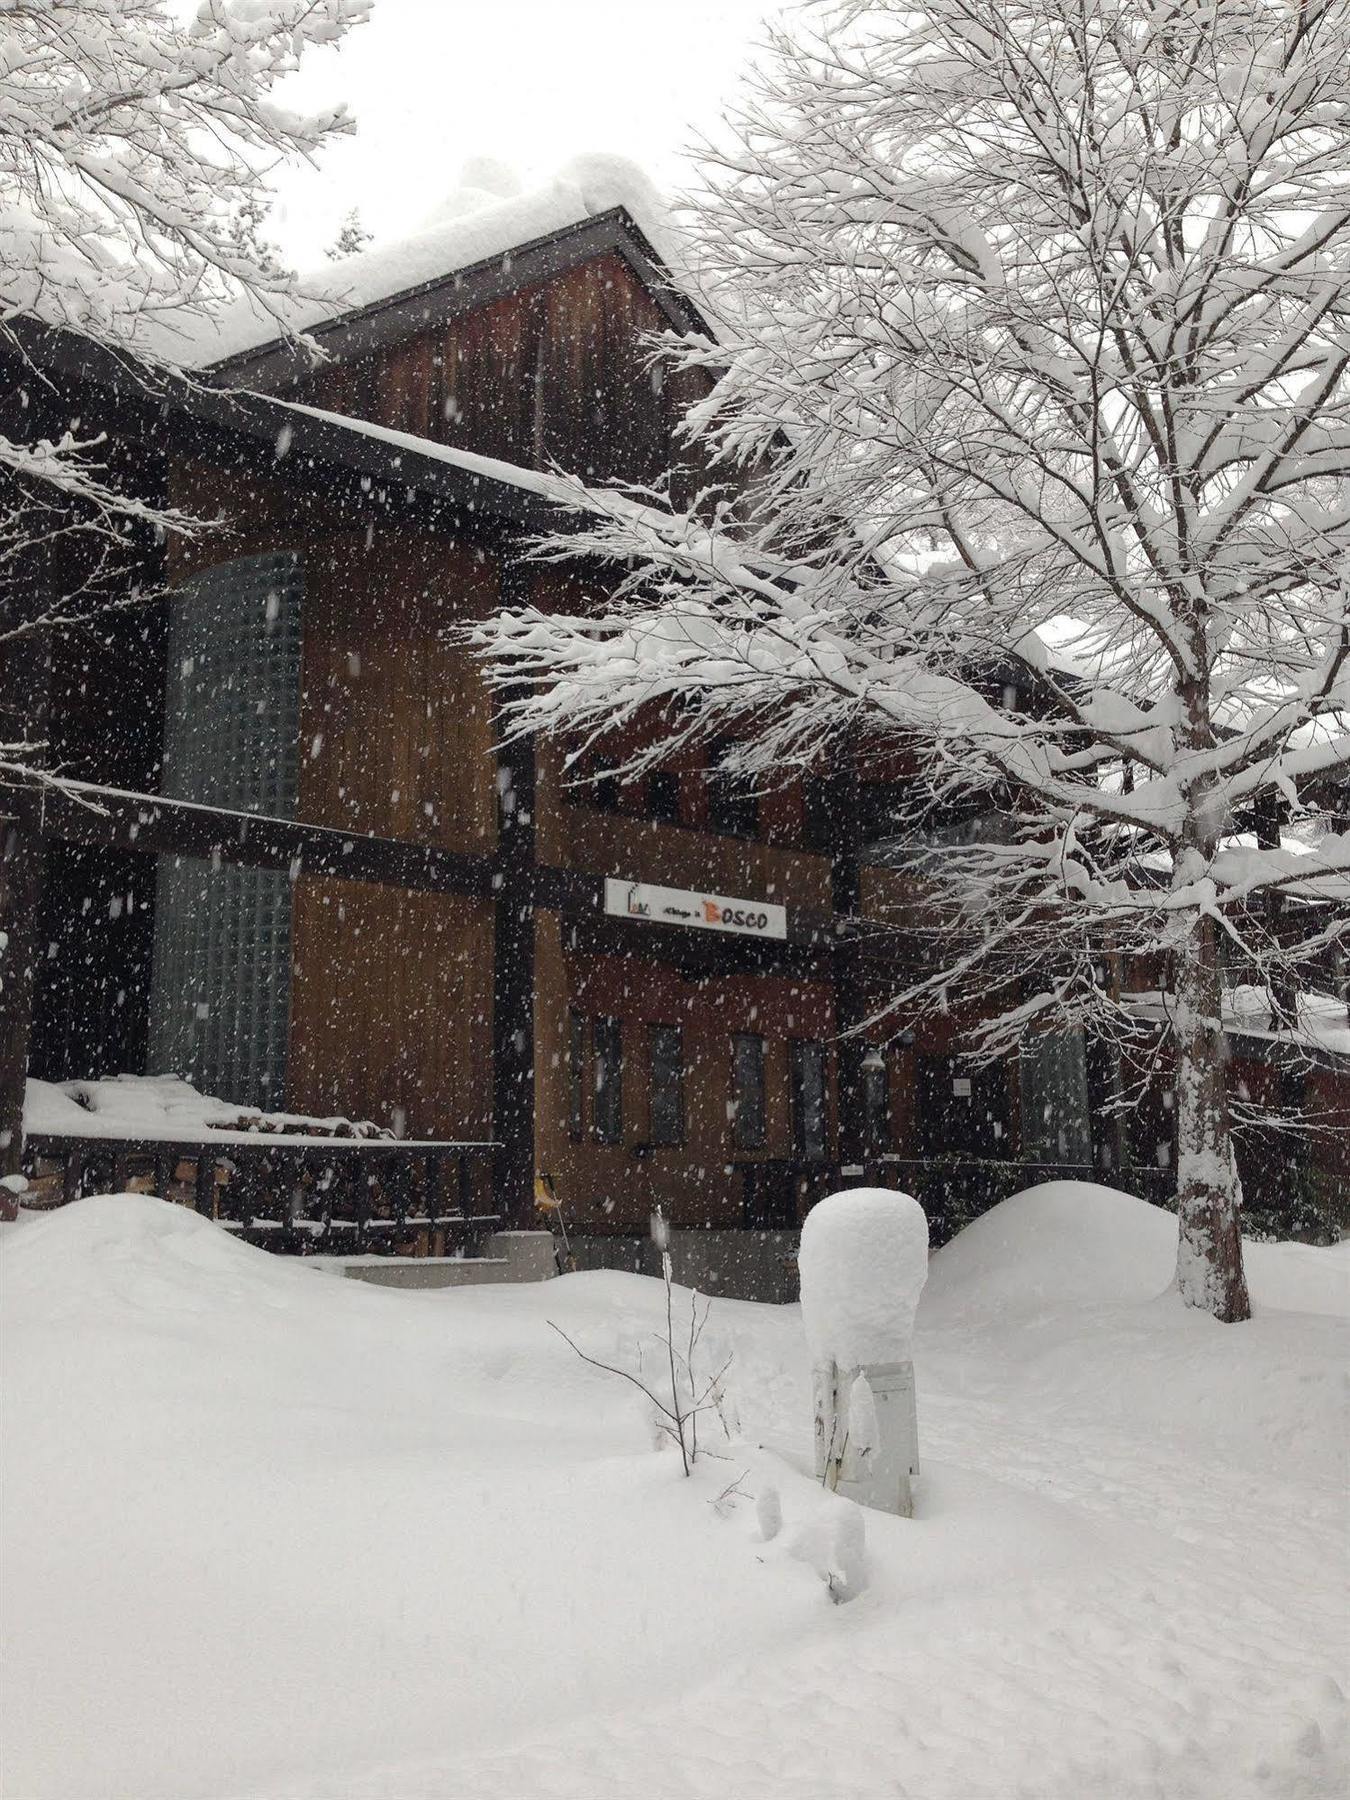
294	1194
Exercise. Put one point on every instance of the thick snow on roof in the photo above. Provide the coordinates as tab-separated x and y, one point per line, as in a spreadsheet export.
481	224
1322	1021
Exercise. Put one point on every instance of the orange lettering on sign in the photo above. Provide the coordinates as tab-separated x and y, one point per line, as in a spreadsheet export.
712	915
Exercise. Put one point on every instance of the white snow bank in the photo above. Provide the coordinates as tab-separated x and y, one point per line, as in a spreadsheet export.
271	1534
863	1261
1061	1243
1068	1244
584	187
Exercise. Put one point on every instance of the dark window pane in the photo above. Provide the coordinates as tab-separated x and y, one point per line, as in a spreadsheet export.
733	805
747	1091
876	1106
1055	1114
666	1055
606	791
607	1038
663	796
818	821
576	1074
808	1100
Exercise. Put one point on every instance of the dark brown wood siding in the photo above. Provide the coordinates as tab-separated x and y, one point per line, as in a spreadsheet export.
557	373
396	734
391	1007
612	1187
391	996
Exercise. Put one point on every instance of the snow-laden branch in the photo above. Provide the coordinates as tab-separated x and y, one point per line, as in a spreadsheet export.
1033	331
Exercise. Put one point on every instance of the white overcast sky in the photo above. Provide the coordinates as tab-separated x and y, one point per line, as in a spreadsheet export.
530	82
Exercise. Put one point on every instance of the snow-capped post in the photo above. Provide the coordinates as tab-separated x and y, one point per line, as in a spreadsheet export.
863	1261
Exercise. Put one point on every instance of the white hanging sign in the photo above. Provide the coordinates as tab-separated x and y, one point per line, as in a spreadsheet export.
705	912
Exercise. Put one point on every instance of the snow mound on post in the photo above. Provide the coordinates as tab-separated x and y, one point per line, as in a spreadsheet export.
863	1262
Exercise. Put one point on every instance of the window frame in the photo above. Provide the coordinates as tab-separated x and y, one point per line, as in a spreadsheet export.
575	1059
733	804
878	1127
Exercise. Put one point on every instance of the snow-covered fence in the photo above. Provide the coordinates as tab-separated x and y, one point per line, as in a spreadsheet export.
864	1260
287	1191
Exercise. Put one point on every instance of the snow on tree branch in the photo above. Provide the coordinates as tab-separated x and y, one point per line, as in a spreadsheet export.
136	140
1031	379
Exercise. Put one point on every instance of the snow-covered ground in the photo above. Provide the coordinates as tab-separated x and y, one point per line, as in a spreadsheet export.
268	1533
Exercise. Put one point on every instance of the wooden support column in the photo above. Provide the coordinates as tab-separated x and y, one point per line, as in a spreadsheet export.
513	981
844	837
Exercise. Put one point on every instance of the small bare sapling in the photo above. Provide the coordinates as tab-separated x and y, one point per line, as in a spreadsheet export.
683	1391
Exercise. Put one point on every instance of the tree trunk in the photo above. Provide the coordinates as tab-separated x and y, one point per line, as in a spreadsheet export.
1209	1252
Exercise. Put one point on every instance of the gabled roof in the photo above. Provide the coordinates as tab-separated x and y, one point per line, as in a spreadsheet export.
363	302
293	442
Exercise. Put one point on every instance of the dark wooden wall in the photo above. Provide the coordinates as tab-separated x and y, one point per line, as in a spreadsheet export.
555	373
611	1187
395	726
391	1007
391	991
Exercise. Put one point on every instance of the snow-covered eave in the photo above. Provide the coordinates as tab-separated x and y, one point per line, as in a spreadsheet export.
305	442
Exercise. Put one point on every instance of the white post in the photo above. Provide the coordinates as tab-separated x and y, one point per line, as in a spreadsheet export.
864	1260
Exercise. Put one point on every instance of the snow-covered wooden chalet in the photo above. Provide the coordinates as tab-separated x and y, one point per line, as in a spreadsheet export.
291	867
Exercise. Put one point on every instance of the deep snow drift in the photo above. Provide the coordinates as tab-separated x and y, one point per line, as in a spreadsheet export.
267	1533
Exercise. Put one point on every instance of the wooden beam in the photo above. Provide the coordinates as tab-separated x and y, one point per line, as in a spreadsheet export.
158	825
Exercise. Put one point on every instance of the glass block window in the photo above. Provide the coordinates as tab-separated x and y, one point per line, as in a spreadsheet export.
220	991
1056	1123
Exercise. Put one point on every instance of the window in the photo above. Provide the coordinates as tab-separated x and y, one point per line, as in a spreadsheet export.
576	1075
1056	1123
733	805
808	1100
665	1051
818	824
876	1102
663	796
747	1091
607	1043
607	791
220	982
